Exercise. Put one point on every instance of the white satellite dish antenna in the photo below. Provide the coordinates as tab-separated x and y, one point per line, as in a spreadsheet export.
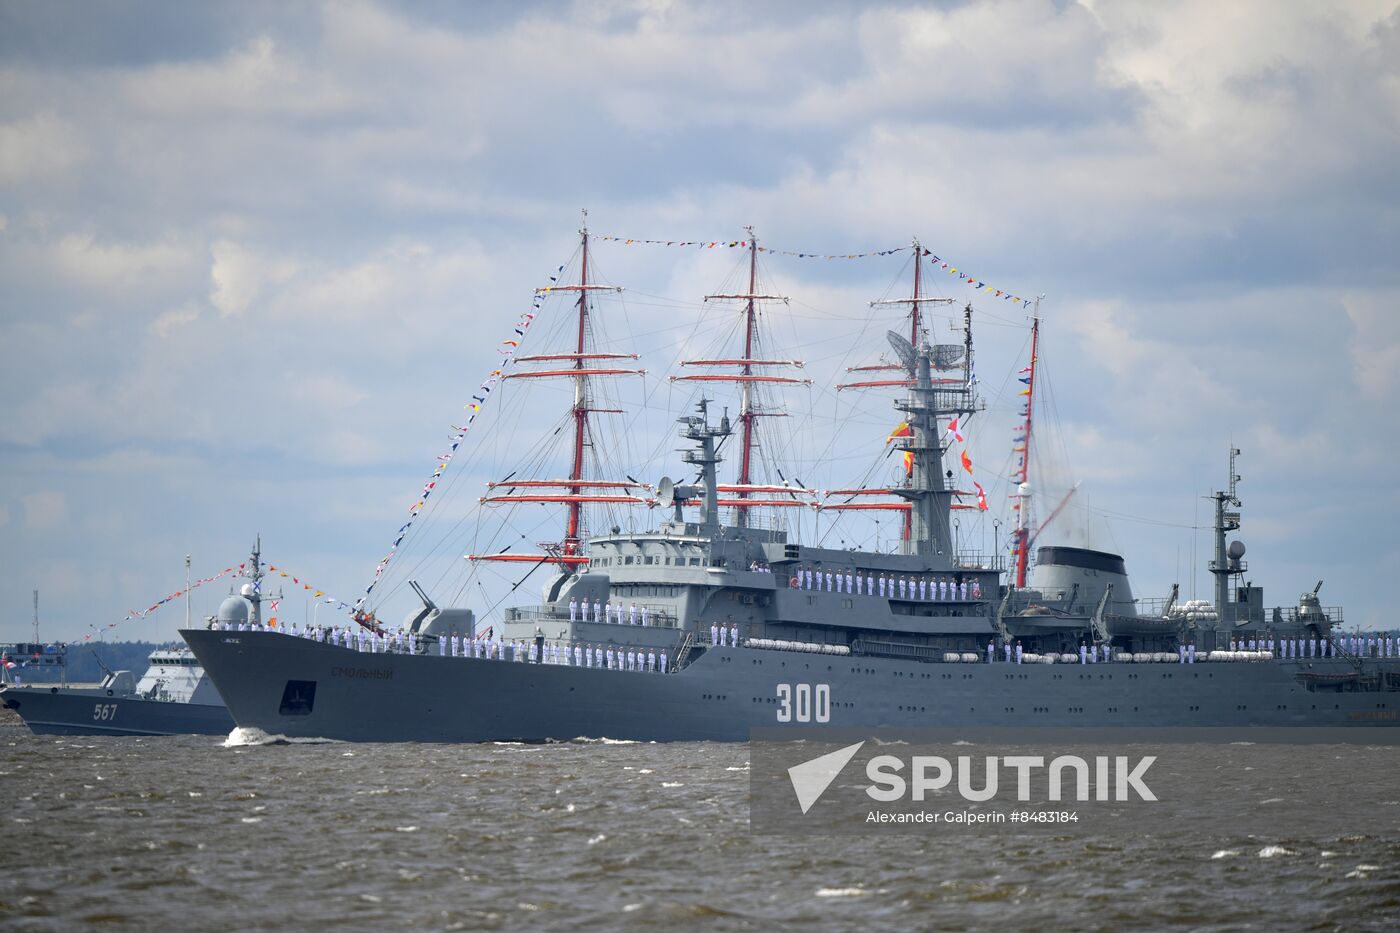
666	492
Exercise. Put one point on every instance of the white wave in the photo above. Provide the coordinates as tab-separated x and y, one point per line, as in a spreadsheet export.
841	892
1271	851
405	829
672	784
252	737
597	839
1225	853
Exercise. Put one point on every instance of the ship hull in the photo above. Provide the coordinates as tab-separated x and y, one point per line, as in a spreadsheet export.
301	688
91	711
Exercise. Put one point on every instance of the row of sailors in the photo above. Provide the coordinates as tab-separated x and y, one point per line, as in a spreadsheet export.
911	587
1088	654
724	635
759	567
1371	646
608	613
579	654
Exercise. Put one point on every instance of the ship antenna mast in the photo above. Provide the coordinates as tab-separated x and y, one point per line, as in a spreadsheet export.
916	323
1021	536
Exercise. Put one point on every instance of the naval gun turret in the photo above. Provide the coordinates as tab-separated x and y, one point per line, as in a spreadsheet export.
431	620
1310	612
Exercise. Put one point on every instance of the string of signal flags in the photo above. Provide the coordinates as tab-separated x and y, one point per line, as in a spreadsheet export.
938	262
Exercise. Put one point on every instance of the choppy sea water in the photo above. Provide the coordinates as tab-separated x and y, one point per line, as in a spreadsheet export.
182	833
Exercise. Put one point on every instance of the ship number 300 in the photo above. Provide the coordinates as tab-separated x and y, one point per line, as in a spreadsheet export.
804	703
104	711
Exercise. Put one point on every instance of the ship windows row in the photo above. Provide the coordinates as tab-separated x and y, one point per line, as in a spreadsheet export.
649	560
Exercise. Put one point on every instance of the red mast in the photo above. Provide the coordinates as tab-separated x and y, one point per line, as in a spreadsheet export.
577	491
748	380
1023	493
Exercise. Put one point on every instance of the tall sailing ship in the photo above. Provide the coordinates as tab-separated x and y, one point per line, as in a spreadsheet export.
719	617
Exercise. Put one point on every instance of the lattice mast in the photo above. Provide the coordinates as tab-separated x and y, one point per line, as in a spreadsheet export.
748	380
916	301
1021	537
582	366
929	491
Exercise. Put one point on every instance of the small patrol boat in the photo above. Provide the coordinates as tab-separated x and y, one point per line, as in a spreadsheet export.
173	697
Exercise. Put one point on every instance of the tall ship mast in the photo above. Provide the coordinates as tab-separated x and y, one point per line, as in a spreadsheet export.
581	364
1021	536
750	381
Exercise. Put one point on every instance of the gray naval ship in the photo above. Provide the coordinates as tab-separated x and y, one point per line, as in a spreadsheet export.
174	697
740	627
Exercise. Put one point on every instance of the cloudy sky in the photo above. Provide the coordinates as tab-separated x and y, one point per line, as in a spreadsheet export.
255	258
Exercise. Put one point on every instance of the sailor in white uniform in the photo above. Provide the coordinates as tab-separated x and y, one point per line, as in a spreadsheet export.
990	652
869	585
849	581
1083	654
578	655
573	609
1020	652
644	616
828	581
1191	653
632	614
1006	649
733	636
597	611
663	660
1180	654
651	660
714	634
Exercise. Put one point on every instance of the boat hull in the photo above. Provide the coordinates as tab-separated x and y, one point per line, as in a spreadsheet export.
302	688
93	711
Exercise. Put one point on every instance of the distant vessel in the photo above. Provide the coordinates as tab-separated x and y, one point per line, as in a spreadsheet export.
174	697
706	627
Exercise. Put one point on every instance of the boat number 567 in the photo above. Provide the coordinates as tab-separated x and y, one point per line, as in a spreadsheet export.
804	702
104	711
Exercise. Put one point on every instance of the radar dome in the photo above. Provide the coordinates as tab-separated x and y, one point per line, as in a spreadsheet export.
234	610
1236	550
246	589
